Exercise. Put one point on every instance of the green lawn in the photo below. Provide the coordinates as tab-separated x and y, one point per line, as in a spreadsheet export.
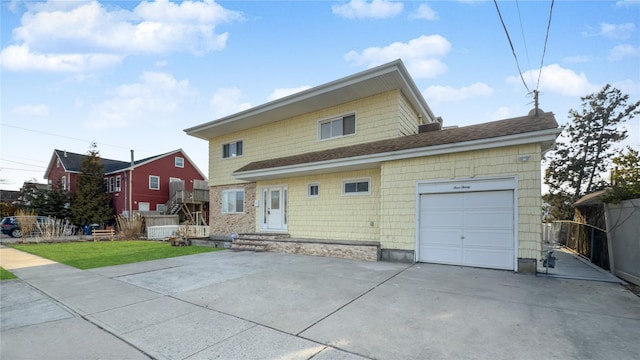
5	274
89	255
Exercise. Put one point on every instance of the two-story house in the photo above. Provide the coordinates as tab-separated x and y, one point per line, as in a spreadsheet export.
364	159
165	183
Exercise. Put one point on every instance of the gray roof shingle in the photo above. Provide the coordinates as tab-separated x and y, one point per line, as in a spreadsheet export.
513	126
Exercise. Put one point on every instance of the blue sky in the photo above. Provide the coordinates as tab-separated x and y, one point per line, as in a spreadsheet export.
134	74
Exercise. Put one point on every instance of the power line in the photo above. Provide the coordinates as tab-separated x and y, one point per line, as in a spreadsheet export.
513	51
63	136
21	163
546	38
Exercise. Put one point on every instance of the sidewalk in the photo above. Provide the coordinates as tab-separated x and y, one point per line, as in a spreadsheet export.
244	305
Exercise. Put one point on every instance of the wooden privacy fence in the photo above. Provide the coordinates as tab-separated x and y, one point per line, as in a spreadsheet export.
163	232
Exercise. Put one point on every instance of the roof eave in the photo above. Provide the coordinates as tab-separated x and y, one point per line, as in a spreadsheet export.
544	137
286	107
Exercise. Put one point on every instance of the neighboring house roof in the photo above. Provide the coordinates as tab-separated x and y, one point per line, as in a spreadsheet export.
387	77
541	128
72	162
592	199
9	195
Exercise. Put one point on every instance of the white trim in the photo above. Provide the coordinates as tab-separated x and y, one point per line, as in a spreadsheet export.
229	143
337	117
154	176
309	185
264	192
374	160
244	201
356	180
463	185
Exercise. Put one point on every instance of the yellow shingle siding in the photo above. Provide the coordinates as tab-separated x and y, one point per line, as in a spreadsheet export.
332	215
378	117
398	191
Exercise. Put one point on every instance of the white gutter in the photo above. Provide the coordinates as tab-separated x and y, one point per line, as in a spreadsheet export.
373	160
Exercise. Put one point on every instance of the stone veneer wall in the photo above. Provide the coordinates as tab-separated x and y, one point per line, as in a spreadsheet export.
366	252
225	224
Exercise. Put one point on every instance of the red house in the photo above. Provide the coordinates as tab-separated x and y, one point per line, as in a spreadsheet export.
168	183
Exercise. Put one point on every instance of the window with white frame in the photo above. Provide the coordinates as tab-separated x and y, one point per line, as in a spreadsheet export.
64	183
356	187
232	149
154	182
313	190
342	126
233	201
118	183
112	184
179	162
161	208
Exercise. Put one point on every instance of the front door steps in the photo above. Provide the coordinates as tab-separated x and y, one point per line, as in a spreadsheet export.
282	242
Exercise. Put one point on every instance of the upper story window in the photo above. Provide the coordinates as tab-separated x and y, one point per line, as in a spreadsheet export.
112	184
179	162
154	182
342	126
64	183
232	149
118	183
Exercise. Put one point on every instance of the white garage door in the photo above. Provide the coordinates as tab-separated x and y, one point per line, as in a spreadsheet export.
471	229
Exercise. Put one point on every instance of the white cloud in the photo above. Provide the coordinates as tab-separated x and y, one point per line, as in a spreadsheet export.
422	55
617	31
425	12
622	51
74	29
227	101
361	9
154	99
282	92
448	93
20	58
624	3
558	80
31	110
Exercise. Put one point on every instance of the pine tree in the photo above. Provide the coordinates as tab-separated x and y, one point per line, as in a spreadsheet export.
91	202
577	166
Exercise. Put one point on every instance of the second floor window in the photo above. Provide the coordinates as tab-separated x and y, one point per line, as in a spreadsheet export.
118	183
111	184
345	125
232	149
154	182
179	162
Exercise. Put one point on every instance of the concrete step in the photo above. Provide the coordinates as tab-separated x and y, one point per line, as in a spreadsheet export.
263	236
248	247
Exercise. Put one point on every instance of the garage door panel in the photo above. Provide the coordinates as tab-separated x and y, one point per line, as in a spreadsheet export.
442	202
444	219
495	218
478	200
441	254
489	258
443	237
489	238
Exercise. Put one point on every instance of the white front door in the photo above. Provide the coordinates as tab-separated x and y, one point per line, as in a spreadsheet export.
274	202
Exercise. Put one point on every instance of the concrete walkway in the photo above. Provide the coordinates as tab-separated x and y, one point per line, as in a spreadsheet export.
243	305
569	265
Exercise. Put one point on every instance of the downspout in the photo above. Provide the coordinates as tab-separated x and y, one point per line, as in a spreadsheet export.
130	185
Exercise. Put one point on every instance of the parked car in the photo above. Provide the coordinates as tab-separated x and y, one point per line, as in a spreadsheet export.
10	225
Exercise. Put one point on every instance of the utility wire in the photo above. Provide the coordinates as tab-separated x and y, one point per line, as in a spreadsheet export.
511	44
62	136
21	163
546	38
524	40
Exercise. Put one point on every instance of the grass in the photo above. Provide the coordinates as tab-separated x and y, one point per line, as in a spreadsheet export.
6	274
90	255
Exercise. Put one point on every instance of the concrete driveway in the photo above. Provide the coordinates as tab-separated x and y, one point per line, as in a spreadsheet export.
244	305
